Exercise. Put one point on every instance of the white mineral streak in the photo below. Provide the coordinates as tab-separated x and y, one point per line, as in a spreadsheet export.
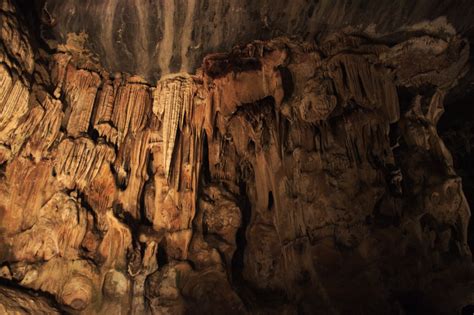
187	36
166	45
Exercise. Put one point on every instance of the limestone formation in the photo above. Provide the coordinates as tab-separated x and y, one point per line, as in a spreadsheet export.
286	176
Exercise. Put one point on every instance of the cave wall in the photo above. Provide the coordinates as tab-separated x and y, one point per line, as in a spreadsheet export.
155	38
283	177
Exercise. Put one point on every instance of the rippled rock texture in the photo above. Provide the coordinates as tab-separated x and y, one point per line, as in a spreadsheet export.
282	177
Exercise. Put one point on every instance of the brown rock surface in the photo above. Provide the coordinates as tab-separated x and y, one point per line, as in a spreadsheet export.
284	177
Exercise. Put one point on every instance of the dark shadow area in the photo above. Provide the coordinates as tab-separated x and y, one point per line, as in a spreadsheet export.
287	82
205	170
238	259
33	294
456	128
467	310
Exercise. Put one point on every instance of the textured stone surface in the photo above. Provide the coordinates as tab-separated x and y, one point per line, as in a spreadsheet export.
154	38
286	176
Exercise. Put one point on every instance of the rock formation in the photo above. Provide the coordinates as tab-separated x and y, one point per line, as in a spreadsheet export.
283	177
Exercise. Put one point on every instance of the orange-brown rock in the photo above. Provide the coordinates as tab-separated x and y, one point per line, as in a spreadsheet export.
283	177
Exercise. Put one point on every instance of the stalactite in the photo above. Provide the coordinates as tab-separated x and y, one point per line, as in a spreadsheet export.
14	97
80	91
267	182
79	161
173	100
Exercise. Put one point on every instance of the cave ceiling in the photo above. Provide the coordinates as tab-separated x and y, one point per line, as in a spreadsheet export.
153	38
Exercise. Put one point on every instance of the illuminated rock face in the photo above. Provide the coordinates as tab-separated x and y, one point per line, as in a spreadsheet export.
285	177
